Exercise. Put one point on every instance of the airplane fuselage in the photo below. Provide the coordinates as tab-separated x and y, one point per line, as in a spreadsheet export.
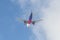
30	20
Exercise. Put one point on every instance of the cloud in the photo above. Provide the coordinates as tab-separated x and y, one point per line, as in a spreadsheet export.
38	29
51	23
49	29
22	3
52	20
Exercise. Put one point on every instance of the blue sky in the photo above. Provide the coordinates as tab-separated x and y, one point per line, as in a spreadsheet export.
10	28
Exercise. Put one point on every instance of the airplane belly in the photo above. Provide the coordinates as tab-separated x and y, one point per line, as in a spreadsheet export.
29	21
28	25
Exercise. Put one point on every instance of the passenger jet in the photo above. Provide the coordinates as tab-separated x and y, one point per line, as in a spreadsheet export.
29	21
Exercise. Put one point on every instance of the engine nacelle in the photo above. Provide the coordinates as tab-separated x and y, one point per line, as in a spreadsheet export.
33	23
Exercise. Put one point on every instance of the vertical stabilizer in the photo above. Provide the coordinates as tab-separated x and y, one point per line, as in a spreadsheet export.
30	18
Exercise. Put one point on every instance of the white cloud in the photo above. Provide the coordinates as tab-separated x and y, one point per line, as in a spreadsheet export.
22	3
51	23
52	20
38	30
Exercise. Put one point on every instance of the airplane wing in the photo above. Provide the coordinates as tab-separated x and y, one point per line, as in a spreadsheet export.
19	19
33	22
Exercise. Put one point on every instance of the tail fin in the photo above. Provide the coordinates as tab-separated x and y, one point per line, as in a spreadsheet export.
30	18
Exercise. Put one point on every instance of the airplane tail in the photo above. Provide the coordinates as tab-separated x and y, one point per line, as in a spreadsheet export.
30	18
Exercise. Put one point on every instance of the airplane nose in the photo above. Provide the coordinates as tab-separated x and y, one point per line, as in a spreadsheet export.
28	25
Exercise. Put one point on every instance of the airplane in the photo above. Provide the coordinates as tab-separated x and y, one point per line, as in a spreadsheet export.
30	21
